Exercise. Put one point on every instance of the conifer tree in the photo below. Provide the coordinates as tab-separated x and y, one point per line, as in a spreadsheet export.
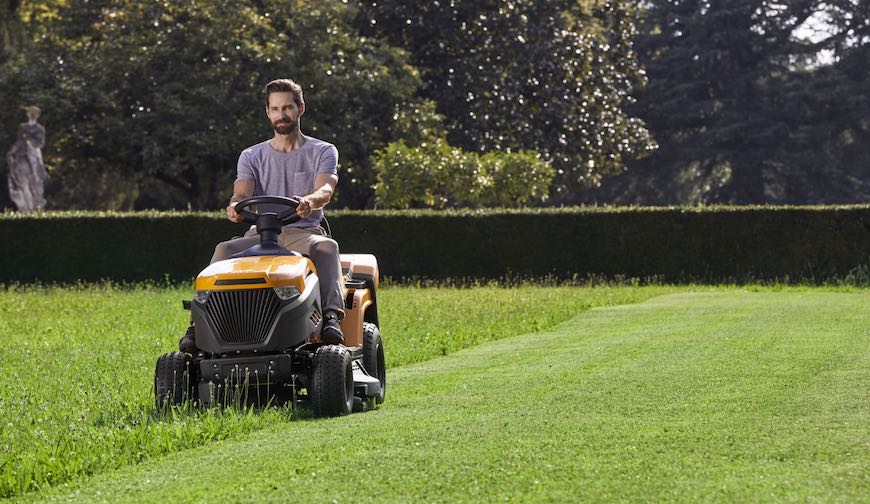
745	107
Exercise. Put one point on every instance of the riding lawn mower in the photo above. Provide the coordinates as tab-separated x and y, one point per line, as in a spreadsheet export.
257	318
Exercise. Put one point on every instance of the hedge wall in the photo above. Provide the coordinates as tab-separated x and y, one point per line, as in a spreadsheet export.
672	244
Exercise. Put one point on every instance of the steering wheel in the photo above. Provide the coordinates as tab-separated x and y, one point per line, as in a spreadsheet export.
284	217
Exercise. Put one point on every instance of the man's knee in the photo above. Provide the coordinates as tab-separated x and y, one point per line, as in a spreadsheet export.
223	250
220	253
326	247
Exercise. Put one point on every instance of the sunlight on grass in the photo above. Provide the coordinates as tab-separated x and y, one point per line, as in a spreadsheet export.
79	364
724	394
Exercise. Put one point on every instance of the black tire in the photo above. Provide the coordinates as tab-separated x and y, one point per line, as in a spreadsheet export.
373	357
332	383
173	380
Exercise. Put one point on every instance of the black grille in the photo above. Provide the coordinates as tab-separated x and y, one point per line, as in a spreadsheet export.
243	316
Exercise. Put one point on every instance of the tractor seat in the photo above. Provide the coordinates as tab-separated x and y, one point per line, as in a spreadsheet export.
346	267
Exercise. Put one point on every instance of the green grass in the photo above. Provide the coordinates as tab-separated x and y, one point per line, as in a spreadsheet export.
78	366
728	396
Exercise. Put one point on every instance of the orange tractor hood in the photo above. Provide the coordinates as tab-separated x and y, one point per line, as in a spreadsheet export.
255	272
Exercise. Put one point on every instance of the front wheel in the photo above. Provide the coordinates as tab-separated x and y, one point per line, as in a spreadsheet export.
173	383
373	357
332	384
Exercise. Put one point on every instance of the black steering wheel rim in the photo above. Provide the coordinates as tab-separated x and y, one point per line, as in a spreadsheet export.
288	216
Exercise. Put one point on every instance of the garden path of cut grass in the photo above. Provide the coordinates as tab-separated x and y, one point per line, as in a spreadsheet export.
726	396
78	366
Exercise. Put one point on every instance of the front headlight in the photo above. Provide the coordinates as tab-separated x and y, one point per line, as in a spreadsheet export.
201	296
287	293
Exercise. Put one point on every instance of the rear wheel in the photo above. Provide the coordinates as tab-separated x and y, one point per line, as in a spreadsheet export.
332	383
373	357
173	383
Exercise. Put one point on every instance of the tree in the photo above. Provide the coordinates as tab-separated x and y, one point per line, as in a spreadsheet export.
11	32
554	77
11	43
837	109
164	95
743	107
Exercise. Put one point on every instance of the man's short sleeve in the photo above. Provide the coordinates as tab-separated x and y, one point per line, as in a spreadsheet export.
244	170
328	162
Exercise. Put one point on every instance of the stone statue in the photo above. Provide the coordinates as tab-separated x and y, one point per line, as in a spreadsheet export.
26	170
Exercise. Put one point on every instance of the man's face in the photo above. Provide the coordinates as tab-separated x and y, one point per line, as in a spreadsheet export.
283	112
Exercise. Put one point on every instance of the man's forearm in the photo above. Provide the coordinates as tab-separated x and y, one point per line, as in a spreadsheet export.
320	197
242	189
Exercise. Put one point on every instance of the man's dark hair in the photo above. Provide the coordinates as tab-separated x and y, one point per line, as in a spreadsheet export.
285	86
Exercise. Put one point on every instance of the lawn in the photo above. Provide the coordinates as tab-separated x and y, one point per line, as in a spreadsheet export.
726	395
78	366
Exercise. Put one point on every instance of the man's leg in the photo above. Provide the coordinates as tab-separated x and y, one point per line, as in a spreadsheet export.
224	250
324	253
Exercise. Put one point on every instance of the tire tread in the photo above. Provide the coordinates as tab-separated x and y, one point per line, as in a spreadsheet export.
329	395
372	346
172	380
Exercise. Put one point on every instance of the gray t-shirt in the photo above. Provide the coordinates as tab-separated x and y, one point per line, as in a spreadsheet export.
277	173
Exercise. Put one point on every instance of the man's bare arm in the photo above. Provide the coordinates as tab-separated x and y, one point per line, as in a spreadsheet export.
241	189
324	187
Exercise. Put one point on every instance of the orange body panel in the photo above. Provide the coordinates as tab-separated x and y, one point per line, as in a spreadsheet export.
285	271
352	325
262	271
360	264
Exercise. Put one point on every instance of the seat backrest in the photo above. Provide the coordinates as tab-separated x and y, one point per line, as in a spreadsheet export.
325	225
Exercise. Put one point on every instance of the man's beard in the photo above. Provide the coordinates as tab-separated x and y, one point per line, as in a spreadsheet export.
284	127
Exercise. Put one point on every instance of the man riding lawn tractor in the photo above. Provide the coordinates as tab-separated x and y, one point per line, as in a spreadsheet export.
291	164
271	307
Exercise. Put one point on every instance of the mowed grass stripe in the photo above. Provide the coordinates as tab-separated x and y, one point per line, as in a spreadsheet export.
78	366
726	396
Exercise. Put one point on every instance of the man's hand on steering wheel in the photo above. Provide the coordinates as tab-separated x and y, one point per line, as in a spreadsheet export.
231	212
304	209
287	216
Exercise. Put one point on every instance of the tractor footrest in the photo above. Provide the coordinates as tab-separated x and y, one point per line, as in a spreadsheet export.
361	379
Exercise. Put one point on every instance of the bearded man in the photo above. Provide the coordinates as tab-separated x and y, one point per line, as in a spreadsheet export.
291	164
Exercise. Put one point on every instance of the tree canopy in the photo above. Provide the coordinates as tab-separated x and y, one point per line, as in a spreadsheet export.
752	101
163	96
553	76
148	104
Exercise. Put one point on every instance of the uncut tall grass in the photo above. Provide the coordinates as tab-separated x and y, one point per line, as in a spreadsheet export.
78	366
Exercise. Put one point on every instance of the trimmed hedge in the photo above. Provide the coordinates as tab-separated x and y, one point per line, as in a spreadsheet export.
707	244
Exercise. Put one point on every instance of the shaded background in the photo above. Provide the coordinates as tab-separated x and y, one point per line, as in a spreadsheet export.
147	104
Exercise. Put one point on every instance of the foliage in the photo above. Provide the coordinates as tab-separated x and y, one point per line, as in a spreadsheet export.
12	38
553	77
753	103
514	178
859	276
219	215
165	94
361	91
434	174
732	244
11	33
